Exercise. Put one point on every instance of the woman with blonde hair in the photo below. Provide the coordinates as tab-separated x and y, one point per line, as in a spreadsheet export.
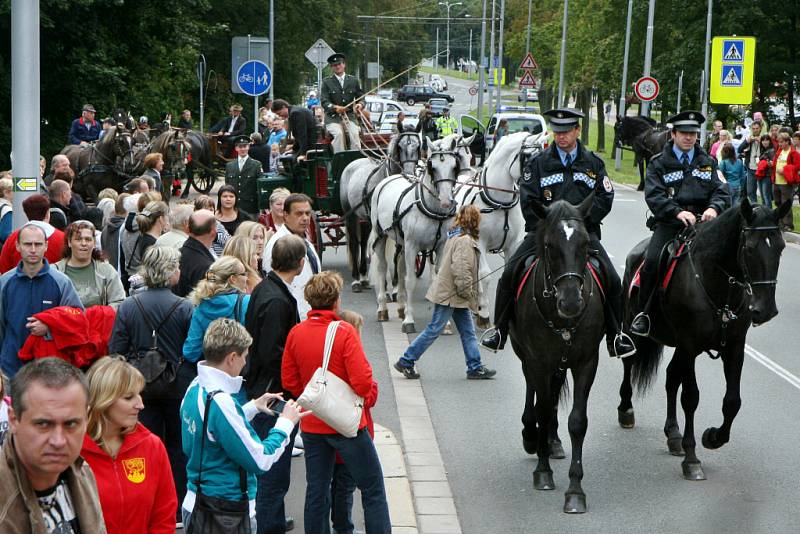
454	293
275	216
258	233
130	464
244	249
221	294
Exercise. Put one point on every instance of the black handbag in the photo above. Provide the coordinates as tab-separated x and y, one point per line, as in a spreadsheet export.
159	371
212	515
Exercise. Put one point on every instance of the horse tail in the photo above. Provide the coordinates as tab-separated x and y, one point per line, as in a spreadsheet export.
645	363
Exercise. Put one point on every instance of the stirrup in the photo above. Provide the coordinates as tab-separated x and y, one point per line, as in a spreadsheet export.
488	333
643	317
624	337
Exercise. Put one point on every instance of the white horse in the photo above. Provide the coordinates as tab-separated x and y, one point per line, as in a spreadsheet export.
416	215
495	192
357	183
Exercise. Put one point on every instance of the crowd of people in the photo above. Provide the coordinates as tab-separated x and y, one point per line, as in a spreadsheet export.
189	314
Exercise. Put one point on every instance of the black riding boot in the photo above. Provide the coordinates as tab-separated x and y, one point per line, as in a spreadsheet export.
640	326
619	344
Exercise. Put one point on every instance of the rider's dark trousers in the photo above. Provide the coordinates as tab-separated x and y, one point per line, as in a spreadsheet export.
662	234
506	292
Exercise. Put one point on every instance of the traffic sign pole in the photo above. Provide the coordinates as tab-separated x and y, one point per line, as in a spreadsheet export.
706	68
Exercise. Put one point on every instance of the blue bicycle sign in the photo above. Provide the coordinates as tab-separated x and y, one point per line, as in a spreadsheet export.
254	78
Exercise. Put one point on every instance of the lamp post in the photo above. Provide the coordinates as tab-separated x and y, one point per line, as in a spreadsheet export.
448	5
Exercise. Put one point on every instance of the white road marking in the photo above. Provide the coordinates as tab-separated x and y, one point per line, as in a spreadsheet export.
772	366
626	200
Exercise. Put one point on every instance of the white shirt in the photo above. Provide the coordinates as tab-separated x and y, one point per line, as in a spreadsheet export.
299	283
341	79
233	124
242	162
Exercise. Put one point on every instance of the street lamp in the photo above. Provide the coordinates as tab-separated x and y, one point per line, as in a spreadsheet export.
448	5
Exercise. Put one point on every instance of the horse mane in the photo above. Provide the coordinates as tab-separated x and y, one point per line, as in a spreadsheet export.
163	140
105	142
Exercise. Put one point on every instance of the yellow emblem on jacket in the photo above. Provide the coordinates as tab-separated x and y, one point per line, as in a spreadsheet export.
134	469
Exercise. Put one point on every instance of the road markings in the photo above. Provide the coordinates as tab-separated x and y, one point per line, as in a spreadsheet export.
772	366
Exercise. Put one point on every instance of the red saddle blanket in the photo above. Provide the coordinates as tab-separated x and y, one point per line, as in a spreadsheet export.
589	266
637	277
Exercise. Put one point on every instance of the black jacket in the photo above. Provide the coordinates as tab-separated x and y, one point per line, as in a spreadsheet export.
272	312
261	154
245	182
239	128
60	215
303	129
546	180
333	94
195	261
670	189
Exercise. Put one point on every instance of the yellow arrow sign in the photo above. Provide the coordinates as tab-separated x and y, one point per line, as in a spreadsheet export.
732	69
26	184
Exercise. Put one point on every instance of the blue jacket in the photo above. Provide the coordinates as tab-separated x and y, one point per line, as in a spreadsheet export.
79	132
22	297
231	442
276	137
221	305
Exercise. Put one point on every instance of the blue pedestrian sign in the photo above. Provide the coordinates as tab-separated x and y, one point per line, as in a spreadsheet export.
731	76
254	78
733	50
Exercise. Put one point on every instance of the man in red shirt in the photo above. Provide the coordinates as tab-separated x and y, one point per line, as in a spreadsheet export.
37	210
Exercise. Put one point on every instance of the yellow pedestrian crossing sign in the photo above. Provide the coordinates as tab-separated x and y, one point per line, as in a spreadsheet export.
732	70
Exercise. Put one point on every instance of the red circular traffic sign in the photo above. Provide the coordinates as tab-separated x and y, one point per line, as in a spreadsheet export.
646	88
473	90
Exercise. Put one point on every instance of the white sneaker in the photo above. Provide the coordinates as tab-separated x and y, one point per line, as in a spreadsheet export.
298	442
296	452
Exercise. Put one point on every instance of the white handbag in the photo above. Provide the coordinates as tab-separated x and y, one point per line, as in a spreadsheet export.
330	398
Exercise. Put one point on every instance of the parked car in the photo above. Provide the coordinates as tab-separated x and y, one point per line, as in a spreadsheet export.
441	82
378	106
528	95
411	94
438	105
388	94
517	121
390	120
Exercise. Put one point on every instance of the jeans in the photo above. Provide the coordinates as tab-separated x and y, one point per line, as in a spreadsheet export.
273	485
441	314
186	517
736	196
162	418
765	188
362	461
342	490
752	186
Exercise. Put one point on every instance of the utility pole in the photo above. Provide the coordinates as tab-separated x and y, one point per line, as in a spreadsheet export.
563	56
499	87
448	5
528	38
491	54
706	70
624	89
271	50
437	49
648	50
680	90
25	111
379	61
482	67
469	65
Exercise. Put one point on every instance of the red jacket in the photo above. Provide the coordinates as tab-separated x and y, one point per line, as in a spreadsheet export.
136	490
302	356
10	258
790	170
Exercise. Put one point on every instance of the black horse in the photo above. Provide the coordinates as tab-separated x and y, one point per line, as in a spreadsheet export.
644	138
724	281
109	162
199	172
558	325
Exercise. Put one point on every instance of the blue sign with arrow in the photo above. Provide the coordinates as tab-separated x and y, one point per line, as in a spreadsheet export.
254	78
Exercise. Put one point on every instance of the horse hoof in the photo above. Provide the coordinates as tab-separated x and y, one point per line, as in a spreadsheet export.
557	450
393	296
364	284
529	446
401	313
675	446
575	503
693	471
483	322
711	439
356	287
383	316
448	330
408	328
543	480
626	418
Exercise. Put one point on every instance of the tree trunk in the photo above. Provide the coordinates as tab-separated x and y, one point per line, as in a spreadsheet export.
791	75
601	122
585	105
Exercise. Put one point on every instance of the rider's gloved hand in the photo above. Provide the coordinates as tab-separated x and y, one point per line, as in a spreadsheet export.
688	218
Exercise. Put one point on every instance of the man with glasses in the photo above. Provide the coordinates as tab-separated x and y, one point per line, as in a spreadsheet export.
27	290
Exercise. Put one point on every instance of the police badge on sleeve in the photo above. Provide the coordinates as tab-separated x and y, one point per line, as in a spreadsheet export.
607	184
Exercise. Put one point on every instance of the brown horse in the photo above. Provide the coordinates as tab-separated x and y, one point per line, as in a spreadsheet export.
109	162
173	145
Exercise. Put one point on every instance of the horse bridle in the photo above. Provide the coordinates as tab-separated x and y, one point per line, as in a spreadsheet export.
748	281
551	289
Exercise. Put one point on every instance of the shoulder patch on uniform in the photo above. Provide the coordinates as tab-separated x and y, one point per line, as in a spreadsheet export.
607	185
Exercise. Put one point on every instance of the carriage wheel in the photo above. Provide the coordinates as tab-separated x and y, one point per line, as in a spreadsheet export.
204	181
419	264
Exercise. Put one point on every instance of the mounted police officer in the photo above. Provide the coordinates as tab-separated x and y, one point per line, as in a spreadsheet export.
567	171
337	94
682	182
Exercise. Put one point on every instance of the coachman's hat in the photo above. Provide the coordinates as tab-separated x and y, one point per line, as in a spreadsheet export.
241	140
89	107
687	121
563	119
336	58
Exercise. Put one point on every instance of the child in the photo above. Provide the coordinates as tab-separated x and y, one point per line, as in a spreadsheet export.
275	153
342	485
4	404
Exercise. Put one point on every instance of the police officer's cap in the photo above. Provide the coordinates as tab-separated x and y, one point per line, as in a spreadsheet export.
335	59
242	140
563	119
687	121
89	107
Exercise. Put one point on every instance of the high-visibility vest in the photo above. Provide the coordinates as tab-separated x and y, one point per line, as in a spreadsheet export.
446	125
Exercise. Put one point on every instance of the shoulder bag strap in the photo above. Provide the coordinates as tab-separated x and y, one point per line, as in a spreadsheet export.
237	308
209	398
330	335
149	323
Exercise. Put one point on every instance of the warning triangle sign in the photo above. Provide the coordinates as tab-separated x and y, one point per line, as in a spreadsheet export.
527	80
731	78
528	62
732	54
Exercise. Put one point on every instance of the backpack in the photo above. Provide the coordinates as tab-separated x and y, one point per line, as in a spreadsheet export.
158	370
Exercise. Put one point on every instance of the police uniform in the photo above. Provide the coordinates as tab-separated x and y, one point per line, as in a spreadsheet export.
547	179
446	125
244	179
676	181
336	93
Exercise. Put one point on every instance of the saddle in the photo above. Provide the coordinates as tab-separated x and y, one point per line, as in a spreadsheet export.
526	266
672	252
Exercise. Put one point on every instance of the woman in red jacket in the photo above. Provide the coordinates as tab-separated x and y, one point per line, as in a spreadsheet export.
785	167
302	356
130	464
